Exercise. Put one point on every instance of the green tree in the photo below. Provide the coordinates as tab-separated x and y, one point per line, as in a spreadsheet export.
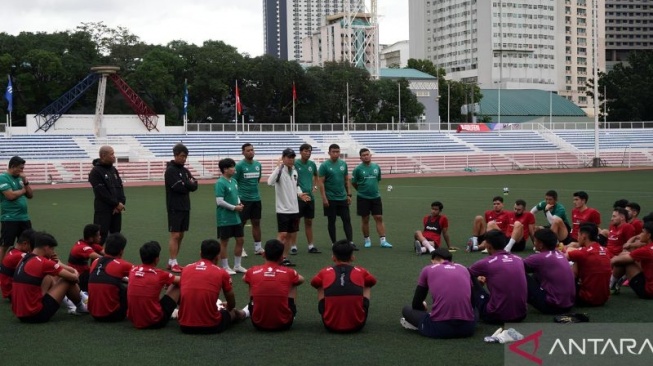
628	89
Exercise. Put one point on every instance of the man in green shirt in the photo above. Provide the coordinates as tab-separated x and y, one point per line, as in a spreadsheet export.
365	179
248	175
336	195
307	181
556	215
227	217
15	190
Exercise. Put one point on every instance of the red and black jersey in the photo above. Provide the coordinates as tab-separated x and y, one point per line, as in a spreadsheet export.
433	226
269	287
143	292
343	286
80	254
7	269
105	285
26	296
500	218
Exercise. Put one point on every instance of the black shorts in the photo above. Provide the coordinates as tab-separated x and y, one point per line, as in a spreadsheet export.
365	206
178	221
638	284
50	307
306	209
287	223
11	230
519	246
251	210
337	208
224	324
231	231
168	305
291	305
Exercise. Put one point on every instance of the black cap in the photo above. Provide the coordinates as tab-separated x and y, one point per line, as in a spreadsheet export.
442	253
289	153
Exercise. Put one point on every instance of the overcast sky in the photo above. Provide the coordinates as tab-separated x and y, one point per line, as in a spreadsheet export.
238	23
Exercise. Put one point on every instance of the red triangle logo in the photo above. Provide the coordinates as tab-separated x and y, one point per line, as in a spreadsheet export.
535	338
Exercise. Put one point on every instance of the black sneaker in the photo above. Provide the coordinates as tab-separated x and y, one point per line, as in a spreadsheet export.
355	247
314	250
287	263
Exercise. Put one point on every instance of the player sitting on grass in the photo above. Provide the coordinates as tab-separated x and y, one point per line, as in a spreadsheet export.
497	216
637	266
581	213
83	250
506	280
201	284
40	283
24	245
619	231
272	290
591	266
450	285
633	211
146	310
556	215
107	290
343	291
551	288
436	226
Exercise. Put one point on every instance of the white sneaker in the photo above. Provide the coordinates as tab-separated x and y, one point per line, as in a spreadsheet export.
509	335
81	308
240	269
484	251
230	271
418	247
175	314
406	324
244	254
71	308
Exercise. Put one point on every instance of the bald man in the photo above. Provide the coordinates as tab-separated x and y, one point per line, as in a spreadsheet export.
109	193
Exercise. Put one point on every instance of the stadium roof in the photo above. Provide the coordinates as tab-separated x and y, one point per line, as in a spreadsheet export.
527	102
405	73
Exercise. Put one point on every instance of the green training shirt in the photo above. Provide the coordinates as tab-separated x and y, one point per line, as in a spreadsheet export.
15	210
248	176
306	172
558	210
367	177
334	179
227	189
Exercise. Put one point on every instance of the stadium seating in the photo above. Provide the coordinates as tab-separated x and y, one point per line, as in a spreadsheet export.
508	141
409	142
608	139
41	147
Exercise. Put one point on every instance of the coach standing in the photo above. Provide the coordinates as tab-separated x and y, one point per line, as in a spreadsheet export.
13	203
179	183
109	193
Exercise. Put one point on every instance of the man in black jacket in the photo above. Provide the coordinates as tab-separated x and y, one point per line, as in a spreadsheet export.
179	183
109	194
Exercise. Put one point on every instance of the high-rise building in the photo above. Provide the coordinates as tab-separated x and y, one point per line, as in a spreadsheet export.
343	39
628	28
508	44
287	22
576	48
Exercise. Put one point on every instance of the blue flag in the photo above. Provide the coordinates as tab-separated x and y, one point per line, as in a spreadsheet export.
9	95
185	98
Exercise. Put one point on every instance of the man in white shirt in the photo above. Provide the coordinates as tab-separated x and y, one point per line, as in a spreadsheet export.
284	179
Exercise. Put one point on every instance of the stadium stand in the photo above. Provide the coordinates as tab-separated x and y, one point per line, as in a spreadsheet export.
608	139
508	141
409	142
42	147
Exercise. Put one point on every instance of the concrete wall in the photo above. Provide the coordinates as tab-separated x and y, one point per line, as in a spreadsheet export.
83	124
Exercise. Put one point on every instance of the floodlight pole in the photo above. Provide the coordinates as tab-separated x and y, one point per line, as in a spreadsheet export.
596	162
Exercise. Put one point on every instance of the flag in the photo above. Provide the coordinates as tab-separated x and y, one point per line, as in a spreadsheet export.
9	95
294	91
185	97
239	107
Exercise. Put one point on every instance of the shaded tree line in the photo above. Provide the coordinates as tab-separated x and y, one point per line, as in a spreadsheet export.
43	66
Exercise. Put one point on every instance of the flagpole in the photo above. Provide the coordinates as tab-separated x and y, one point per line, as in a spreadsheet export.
294	121
237	101
348	105
9	95
186	106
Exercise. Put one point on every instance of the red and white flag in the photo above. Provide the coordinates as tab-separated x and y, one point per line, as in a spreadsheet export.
294	91
239	107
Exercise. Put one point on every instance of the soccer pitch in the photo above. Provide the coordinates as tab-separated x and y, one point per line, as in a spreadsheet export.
79	340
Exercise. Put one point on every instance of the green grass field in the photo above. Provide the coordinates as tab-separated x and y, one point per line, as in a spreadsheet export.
79	340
